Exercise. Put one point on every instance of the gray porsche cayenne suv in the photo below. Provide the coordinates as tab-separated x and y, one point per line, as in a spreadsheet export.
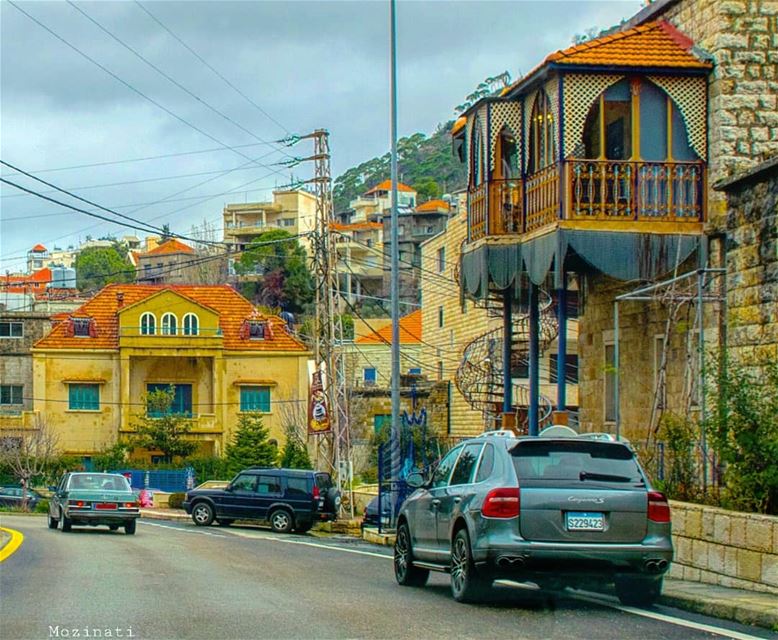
556	511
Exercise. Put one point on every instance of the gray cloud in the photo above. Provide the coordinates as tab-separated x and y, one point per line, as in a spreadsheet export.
309	64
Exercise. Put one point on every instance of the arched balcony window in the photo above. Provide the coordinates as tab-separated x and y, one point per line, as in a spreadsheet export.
191	324
542	150
478	151
148	324
169	324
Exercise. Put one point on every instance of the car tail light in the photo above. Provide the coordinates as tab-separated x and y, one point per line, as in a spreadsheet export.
130	505
316	492
658	509
77	503
502	503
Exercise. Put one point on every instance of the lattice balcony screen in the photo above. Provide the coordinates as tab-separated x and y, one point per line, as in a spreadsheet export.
689	95
504	115
580	92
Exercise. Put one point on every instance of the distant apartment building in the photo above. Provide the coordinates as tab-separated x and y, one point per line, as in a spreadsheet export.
360	260
171	262
293	211
375	202
415	226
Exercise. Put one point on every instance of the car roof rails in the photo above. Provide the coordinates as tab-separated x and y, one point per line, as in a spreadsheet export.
498	433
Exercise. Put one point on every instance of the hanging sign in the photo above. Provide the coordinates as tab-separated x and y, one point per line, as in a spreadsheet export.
318	413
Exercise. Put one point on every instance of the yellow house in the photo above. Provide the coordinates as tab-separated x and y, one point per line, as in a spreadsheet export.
92	371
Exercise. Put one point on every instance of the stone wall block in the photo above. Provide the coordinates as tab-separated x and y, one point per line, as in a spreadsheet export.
770	570
759	535
738	531
721	529
700	554
716	558
749	565
767	8
733	8
683	550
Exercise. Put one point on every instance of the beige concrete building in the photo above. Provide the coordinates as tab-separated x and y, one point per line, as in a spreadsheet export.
293	211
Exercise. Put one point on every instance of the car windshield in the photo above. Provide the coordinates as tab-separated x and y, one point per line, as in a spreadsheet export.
98	482
579	461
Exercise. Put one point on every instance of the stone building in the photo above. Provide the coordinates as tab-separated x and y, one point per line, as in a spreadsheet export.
741	127
752	262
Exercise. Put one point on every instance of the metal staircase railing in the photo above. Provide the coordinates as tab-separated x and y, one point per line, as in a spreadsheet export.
479	376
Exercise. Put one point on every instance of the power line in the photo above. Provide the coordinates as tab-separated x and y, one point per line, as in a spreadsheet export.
131	87
94	204
146	158
205	62
165	75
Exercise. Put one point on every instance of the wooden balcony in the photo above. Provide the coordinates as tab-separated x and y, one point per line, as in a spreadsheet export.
609	194
495	209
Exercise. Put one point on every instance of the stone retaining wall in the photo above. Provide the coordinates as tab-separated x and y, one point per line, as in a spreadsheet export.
727	548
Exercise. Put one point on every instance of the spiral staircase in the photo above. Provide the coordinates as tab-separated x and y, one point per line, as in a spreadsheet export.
479	376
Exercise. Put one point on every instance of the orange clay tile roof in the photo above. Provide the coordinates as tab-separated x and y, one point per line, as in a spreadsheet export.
233	310
410	331
26	282
170	246
355	226
433	205
38	248
458	125
386	185
654	44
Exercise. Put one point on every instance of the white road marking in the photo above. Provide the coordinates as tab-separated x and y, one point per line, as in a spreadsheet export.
592	598
165	526
602	600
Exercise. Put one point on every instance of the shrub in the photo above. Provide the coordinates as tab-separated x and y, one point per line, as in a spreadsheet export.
743	428
175	500
42	507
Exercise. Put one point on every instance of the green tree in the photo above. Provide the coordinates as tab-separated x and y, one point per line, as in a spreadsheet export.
160	429
294	454
285	279
743	428
99	266
112	458
250	445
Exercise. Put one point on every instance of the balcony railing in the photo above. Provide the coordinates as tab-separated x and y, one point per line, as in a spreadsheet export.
591	190
652	191
495	208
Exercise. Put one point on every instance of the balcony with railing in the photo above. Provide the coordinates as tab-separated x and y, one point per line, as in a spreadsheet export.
610	195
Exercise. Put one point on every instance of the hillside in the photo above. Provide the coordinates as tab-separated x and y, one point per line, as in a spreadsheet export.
425	163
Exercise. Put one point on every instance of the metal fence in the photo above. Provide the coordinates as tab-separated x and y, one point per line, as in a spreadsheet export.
174	481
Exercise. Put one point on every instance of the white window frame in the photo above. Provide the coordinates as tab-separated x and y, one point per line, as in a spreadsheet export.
153	326
165	324
187	330
11	324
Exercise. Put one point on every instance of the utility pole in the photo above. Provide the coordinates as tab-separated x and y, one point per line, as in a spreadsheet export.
328	326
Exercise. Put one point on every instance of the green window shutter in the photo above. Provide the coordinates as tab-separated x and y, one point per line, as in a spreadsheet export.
255	399
84	397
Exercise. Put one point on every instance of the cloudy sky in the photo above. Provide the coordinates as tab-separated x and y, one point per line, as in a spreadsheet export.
300	66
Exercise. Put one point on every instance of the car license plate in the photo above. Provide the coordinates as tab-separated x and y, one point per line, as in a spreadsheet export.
585	521
105	505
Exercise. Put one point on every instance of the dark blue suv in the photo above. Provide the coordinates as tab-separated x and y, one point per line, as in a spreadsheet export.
289	499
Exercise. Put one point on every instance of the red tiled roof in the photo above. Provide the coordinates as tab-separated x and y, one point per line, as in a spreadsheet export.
170	246
39	248
355	226
410	331
433	205
386	185
26	282
654	44
233	310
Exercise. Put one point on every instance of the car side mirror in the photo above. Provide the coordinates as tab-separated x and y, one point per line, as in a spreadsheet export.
415	480
228	487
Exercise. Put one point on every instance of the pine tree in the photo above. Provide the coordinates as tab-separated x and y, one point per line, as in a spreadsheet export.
250	445
294	455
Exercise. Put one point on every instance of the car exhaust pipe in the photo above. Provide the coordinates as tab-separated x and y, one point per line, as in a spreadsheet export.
655	566
661	565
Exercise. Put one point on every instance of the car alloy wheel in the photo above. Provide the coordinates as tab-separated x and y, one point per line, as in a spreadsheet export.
53	522
202	514
281	521
404	571
466	584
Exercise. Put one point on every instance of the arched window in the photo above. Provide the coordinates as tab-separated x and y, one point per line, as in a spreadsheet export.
191	325
635	120
542	152
169	324
477	160
507	160
148	324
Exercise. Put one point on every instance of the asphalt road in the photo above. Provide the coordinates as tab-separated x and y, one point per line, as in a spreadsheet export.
174	580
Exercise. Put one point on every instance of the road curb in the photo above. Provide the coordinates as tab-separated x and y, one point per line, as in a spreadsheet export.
383	539
150	514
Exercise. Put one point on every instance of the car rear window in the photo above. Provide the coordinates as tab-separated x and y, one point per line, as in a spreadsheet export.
323	481
580	461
